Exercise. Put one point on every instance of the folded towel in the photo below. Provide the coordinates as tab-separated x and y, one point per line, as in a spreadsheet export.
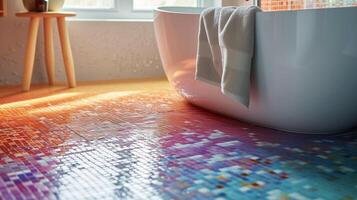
230	66
209	59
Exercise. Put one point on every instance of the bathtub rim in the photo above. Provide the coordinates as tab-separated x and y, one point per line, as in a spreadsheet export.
180	10
165	9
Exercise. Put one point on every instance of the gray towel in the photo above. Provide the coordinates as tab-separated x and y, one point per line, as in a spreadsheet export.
229	66
209	59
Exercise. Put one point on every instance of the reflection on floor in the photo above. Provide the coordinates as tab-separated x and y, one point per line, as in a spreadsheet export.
142	141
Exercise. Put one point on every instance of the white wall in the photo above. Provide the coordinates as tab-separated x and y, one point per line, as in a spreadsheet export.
102	50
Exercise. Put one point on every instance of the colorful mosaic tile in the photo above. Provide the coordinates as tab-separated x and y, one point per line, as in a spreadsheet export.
153	145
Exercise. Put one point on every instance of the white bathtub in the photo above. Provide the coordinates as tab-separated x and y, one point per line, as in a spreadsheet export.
304	74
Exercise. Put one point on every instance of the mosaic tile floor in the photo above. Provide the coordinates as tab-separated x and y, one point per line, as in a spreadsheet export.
142	141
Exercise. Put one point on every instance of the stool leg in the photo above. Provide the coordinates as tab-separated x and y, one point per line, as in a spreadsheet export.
49	51
66	51
30	52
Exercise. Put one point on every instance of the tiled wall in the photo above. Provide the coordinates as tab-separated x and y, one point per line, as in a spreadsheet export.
270	5
102	50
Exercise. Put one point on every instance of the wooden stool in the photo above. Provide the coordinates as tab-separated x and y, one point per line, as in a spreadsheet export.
49	51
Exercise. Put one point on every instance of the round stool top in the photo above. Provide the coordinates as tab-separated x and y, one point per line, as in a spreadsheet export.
46	14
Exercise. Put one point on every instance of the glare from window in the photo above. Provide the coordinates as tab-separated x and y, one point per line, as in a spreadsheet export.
269	5
90	4
151	4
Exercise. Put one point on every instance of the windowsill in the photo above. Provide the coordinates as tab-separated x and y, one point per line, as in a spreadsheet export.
108	20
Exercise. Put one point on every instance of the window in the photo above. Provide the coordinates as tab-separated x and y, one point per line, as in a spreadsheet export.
270	5
151	4
90	4
126	9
